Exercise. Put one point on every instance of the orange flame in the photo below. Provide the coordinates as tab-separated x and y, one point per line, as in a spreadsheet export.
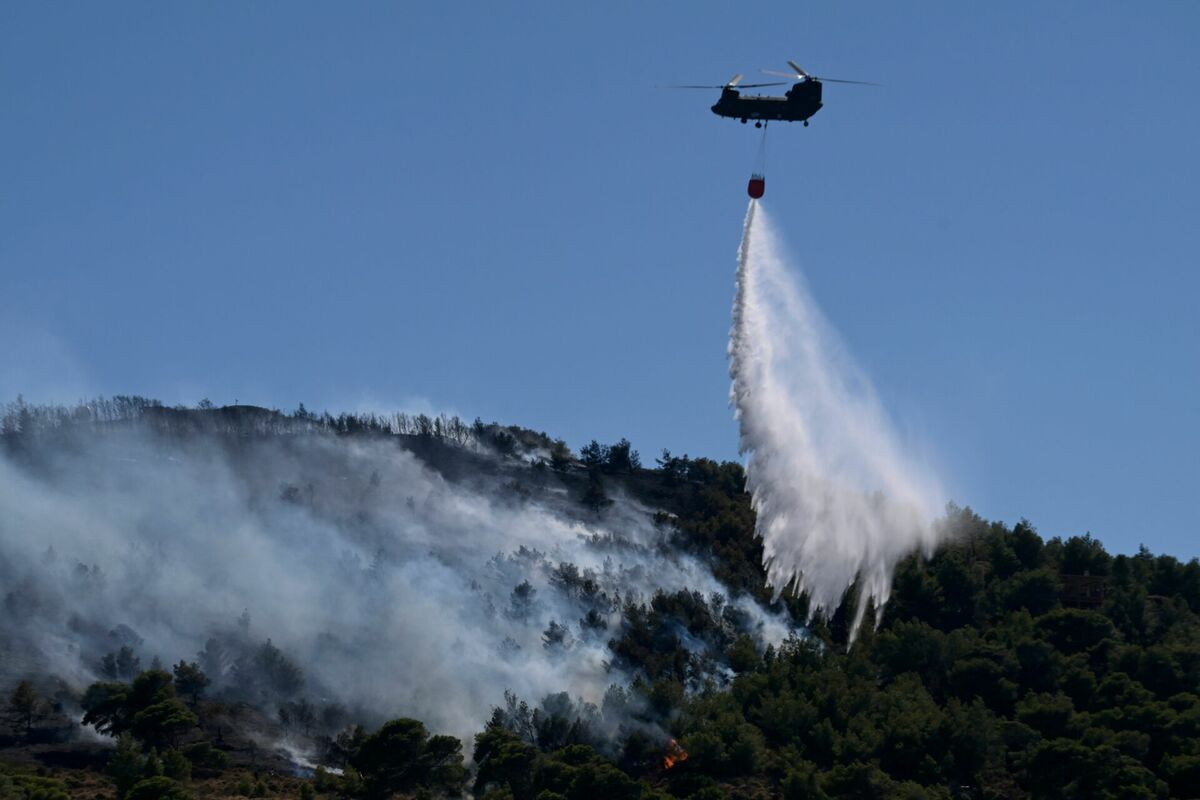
674	754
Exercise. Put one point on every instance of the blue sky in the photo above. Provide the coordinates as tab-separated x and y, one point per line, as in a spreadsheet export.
488	209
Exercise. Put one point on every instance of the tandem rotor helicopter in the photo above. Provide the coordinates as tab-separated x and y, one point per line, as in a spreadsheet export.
796	105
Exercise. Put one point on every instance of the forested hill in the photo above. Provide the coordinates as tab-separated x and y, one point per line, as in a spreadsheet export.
226	602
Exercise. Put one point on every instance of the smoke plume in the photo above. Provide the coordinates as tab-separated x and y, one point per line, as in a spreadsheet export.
839	500
396	590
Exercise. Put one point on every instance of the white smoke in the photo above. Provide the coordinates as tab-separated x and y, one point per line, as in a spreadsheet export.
838	498
391	586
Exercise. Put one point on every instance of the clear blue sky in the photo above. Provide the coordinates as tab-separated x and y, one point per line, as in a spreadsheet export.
487	208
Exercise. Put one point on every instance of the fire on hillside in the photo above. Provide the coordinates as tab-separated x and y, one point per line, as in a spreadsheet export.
674	754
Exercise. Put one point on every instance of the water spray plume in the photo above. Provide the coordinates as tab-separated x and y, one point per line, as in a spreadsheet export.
838	499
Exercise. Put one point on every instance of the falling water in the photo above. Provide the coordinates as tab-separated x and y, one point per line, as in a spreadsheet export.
839	499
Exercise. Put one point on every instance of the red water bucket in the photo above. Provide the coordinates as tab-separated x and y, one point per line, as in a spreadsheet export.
758	185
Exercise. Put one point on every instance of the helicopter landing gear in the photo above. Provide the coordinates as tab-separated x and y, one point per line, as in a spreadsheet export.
743	120
806	123
758	124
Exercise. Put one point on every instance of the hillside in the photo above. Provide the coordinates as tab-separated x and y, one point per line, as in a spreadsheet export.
251	603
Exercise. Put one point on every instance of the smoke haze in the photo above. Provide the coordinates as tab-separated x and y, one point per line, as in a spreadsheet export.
838	498
393	587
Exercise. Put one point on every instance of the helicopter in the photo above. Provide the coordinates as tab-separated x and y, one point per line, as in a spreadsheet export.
796	105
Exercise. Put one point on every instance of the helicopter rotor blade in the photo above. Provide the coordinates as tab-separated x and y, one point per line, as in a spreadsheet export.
799	70
734	81
807	77
840	80
721	86
799	74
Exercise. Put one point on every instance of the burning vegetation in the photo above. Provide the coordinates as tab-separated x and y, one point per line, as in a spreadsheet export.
674	755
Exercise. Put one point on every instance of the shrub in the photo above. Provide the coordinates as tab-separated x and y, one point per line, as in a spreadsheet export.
158	788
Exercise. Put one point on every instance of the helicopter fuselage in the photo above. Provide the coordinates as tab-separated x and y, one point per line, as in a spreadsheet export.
801	102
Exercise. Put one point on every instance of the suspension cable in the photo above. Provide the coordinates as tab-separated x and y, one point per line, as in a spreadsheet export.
760	167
